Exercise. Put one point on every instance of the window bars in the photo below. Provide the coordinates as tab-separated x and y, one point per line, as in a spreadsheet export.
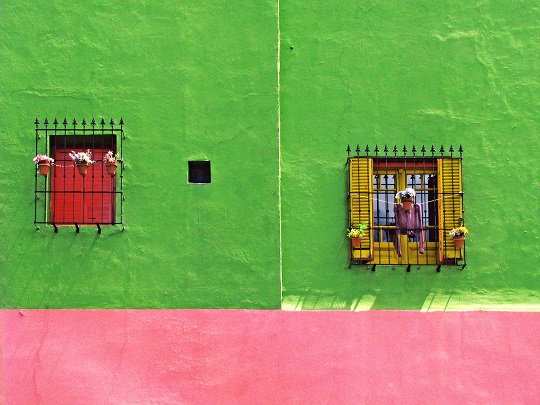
396	235
67	196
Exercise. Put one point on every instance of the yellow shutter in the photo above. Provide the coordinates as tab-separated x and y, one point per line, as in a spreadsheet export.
450	204
360	206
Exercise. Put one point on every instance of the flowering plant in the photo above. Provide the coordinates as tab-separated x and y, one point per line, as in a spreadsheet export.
459	231
111	157
357	232
407	193
42	159
81	157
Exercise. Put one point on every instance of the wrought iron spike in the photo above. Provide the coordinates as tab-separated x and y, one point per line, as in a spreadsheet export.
423	150
357	149
74	122
84	122
386	150
432	150
348	150
93	123
367	150
376	150
414	150
404	150
451	150
460	150
55	121
65	122
102	122
36	122
442	150
46	122
395	150
121	121
112	122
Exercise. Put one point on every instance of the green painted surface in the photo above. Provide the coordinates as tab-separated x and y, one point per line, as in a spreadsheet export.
411	73
188	86
196	81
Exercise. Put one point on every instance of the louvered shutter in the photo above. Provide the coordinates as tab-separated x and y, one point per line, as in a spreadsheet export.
78	200
360	205
450	200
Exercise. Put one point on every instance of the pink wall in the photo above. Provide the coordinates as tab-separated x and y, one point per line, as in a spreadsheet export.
267	357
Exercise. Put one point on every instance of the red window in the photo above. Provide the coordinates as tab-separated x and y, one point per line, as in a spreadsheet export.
77	199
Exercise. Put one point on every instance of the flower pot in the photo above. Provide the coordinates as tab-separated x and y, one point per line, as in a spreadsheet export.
407	203
83	168
356	242
44	168
459	241
111	168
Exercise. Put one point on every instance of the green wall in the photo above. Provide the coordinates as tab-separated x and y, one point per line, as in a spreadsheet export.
188	86
199	80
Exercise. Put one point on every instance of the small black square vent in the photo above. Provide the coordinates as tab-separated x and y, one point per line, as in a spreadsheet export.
199	171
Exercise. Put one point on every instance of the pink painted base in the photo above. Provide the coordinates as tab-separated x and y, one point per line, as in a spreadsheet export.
268	357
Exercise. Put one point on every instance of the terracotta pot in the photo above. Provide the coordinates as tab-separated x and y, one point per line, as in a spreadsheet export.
111	168
44	168
407	203
459	241
356	242
83	168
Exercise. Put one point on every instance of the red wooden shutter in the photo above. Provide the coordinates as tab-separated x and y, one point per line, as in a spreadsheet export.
82	200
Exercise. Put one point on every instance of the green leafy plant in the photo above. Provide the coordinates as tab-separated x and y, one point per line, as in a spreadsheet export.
459	231
357	232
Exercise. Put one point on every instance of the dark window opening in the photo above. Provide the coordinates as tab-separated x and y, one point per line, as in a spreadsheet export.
199	172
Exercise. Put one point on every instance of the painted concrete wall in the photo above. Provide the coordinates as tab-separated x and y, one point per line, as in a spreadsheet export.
269	357
191	81
409	73
271	93
196	81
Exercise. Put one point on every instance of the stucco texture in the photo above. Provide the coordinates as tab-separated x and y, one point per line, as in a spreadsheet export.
271	96
268	357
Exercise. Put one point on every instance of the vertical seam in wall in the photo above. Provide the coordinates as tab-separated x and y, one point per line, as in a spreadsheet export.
279	153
